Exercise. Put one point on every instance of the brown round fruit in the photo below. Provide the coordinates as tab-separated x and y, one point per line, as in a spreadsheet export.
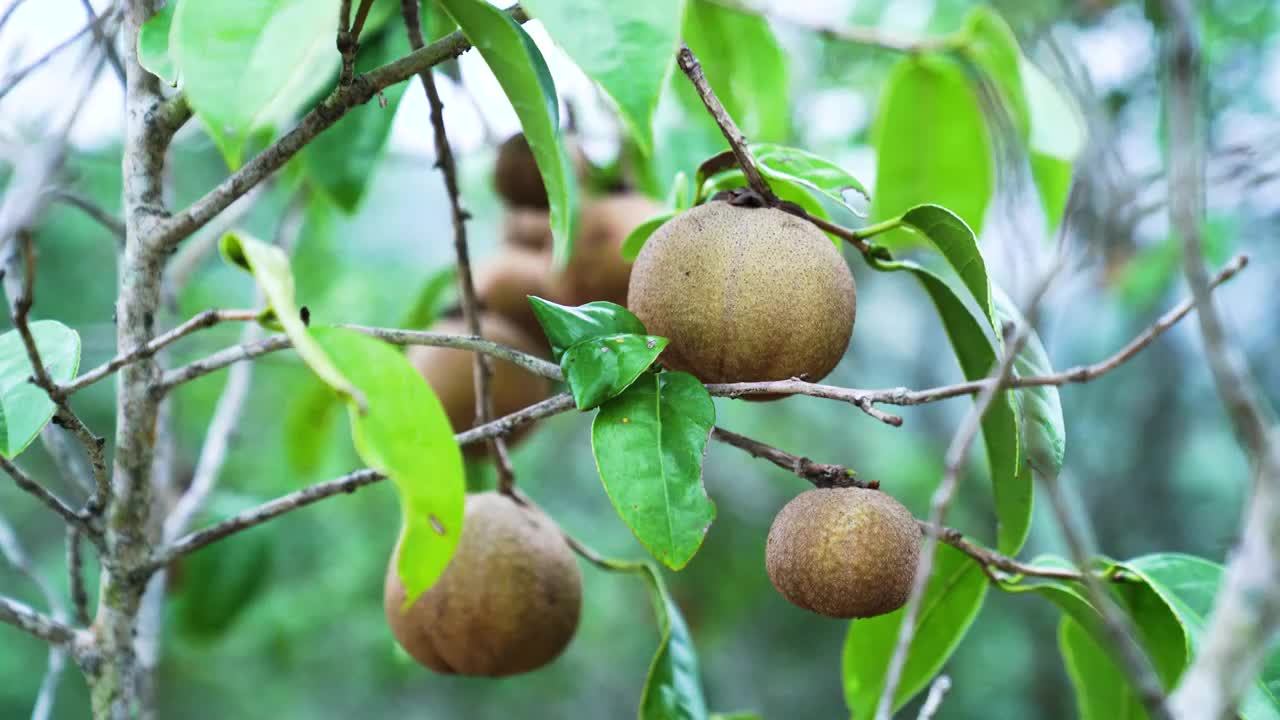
527	228
508	602
844	552
505	282
516	176
744	294
596	270
450	374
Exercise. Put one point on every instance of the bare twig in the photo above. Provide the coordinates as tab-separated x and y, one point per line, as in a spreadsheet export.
932	703
104	40
9	11
349	37
45	495
820	474
363	88
21	561
482	367
75	572
21	74
36	623
112	224
1246	612
864	399
197	248
689	64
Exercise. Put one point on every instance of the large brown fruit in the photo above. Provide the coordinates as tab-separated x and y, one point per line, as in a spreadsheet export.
527	228
450	375
596	270
844	552
744	294
505	282
516	176
507	603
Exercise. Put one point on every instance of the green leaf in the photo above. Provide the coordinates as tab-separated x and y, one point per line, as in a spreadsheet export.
959	245
437	291
625	47
153	45
638	237
951	602
216	585
601	368
405	434
307	426
341	161
1011	480
523	74
25	408
1058	136
248	65
270	268
649	443
566	326
1043	430
1099	696
807	170
1052	177
1188	586
991	45
931	143
673	689
745	65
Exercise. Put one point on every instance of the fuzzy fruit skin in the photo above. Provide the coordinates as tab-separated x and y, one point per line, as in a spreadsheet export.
449	372
744	295
504	282
844	552
596	270
508	602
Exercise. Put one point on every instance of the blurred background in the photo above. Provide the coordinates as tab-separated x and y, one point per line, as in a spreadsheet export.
286	621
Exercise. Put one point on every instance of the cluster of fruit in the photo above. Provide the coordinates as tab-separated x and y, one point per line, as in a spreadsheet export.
743	294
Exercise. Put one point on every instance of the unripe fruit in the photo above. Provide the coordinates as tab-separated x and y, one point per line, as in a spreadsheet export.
744	294
449	373
505	282
844	552
596	269
508	602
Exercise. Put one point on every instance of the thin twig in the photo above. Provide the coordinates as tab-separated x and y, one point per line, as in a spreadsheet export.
21	74
21	561
75	572
1246	615
956	455
362	89
864	399
689	64
482	366
35	623
9	11
45	495
932	703
111	223
104	40
200	321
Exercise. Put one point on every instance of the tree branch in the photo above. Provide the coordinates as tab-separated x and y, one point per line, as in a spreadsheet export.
362	88
21	74
35	623
46	496
75	572
1246	612
937	691
104	40
108	221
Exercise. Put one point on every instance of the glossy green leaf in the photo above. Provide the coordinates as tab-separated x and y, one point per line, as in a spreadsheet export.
1188	585
602	367
959	245
745	66
269	266
931	144
153	45
1011	480
24	408
673	688
1043	430
638	237
649	443
514	59
341	161
405	434
249	65
951	602
566	326
625	47
438	290
808	170
1101	693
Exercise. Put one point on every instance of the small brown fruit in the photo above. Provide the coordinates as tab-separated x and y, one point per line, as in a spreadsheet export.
516	176
844	552
596	269
527	228
744	294
508	602
505	282
450	374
